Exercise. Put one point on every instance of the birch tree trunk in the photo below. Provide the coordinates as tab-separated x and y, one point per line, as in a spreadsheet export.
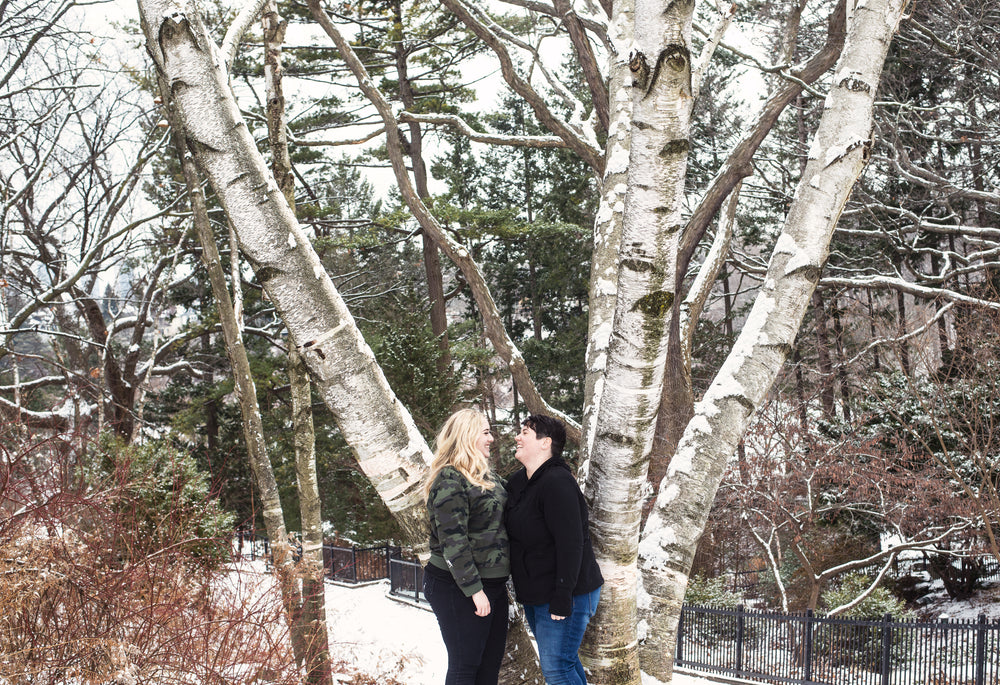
608	225
312	618
646	282
836	159
386	442
246	394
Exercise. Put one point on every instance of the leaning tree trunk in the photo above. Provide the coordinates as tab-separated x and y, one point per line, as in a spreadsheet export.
385	440
432	258
633	378
493	326
836	158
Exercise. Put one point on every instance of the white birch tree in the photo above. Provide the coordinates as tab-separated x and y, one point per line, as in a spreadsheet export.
836	158
643	252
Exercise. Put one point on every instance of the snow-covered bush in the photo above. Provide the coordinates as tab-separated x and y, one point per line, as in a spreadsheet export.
877	604
711	592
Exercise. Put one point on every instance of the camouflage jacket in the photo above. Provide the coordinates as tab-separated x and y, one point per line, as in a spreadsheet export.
467	533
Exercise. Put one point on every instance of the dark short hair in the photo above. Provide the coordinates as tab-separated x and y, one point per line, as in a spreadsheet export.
548	427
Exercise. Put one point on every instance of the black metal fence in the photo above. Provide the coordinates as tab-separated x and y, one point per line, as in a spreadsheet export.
804	648
406	580
251	547
358	564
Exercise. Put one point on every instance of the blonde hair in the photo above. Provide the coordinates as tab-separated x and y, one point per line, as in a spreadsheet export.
455	446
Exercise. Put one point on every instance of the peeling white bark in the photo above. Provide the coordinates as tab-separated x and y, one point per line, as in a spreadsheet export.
672	531
632	381
387	444
607	228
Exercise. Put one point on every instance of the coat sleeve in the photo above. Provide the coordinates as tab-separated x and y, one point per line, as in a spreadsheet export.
448	506
561	504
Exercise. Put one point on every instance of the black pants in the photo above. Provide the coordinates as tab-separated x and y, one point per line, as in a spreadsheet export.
475	644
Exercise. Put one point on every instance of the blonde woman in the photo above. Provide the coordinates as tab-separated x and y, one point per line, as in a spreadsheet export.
465	578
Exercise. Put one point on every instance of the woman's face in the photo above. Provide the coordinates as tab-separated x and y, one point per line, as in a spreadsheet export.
485	439
529	446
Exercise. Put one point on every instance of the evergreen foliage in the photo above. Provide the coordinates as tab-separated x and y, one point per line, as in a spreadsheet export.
163	501
711	592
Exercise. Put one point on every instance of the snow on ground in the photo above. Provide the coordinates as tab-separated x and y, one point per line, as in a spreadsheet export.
936	604
382	637
389	639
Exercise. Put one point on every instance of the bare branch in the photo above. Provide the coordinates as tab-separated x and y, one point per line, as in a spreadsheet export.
234	34
492	320
586	150
902	285
458	123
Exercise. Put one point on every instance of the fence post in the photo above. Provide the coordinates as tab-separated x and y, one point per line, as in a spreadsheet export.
740	617
679	661
886	648
807	646
981	651
354	562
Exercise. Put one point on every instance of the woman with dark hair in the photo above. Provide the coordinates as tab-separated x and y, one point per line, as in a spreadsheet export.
465	579
555	574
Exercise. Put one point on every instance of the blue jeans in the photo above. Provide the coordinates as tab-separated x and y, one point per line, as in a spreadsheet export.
559	641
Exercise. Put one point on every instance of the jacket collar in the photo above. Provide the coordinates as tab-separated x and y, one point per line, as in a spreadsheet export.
550	463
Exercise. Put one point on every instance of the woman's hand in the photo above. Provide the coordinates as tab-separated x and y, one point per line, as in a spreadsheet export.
482	603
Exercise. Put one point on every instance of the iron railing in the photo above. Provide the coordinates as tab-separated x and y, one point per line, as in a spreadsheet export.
251	547
358	564
406	580
804	648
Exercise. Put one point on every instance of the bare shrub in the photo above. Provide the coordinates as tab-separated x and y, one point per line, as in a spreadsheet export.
89	598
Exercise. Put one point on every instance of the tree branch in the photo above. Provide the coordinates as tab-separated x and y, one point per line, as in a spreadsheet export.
588	152
492	320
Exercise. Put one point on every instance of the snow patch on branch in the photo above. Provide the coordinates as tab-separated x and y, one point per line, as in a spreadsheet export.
291	240
668	495
617	162
652	548
642	630
642	598
838	152
798	257
605	286
786	244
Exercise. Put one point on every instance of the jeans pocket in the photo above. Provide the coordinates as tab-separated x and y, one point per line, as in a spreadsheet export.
594	600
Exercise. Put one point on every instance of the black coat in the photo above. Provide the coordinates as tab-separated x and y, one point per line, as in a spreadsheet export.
551	558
